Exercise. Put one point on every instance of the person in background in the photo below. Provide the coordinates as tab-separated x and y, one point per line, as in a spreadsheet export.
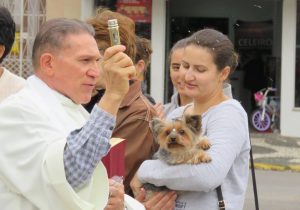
9	83
46	135
179	98
135	111
208	59
142	62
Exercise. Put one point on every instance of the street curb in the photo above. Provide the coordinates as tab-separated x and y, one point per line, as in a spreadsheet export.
295	168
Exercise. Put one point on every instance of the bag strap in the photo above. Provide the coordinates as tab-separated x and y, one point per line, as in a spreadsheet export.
253	177
221	202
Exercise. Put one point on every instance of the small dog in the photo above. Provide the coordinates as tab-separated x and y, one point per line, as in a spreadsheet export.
179	142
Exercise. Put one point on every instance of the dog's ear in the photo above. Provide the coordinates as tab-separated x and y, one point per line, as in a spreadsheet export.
194	122
156	124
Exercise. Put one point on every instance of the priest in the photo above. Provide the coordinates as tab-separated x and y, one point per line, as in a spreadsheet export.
45	133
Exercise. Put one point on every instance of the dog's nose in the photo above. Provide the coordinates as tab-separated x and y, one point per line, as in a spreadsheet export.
173	139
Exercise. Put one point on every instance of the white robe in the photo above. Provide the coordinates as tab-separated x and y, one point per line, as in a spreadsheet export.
10	84
34	124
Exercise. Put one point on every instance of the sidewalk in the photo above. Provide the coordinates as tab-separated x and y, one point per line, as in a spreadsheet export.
271	151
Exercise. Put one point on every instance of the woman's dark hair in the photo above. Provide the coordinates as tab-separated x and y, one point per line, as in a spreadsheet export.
218	44
7	31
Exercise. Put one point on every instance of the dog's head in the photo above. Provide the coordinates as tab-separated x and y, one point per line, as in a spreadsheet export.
177	135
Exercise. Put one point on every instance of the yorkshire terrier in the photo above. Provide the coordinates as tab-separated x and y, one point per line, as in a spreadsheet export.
179	142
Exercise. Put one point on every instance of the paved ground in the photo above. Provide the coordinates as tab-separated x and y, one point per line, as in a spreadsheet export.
272	151
278	184
277	190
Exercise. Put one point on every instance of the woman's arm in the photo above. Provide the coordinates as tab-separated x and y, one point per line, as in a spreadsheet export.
227	130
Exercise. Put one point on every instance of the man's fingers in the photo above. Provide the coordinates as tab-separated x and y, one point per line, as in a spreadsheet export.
109	52
124	61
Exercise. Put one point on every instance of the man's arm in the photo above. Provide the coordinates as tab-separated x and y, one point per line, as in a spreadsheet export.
85	147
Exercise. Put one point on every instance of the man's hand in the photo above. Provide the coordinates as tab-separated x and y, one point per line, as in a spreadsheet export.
116	196
117	69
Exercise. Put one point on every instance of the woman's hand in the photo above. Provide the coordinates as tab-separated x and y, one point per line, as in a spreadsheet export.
135	185
160	200
116	196
160	111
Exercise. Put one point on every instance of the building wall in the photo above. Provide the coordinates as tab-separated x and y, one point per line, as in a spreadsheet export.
81	9
158	36
290	116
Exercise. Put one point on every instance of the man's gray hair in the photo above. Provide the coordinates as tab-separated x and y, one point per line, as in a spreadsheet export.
52	35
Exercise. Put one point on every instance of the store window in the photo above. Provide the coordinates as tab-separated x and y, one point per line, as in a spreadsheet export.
255	29
297	67
138	10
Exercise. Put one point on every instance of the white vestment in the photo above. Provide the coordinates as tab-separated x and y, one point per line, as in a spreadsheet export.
34	124
9	84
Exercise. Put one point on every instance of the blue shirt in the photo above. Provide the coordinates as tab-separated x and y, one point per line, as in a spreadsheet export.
86	146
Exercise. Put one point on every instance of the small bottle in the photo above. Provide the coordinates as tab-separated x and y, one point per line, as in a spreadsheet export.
113	29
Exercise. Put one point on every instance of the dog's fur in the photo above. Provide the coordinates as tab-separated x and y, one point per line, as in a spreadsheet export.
180	141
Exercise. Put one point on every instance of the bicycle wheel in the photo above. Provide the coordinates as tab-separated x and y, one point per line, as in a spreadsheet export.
258	123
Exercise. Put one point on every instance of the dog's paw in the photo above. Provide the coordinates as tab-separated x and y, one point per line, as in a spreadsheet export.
205	158
200	158
204	144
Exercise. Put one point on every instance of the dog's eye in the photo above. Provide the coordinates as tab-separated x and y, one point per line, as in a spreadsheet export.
181	132
167	133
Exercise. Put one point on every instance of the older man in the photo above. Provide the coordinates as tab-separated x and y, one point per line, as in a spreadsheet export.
46	134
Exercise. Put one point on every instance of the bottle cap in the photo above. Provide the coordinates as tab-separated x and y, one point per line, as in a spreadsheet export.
112	23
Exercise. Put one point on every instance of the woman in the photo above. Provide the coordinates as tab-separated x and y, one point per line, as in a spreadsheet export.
208	60
179	98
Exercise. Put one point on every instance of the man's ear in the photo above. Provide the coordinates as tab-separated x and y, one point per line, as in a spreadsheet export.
46	63
194	122
2	50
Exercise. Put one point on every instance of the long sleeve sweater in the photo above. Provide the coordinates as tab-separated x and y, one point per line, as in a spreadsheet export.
226	126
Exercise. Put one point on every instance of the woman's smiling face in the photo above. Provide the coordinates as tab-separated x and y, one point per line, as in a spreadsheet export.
177	74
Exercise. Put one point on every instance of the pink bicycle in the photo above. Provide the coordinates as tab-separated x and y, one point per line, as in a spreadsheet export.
267	115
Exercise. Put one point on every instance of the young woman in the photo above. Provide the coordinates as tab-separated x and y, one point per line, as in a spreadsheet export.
179	98
208	59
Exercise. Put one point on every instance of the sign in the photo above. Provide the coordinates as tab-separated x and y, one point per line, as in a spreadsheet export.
138	10
254	35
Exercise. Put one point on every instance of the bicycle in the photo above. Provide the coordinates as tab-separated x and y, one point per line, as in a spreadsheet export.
267	115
